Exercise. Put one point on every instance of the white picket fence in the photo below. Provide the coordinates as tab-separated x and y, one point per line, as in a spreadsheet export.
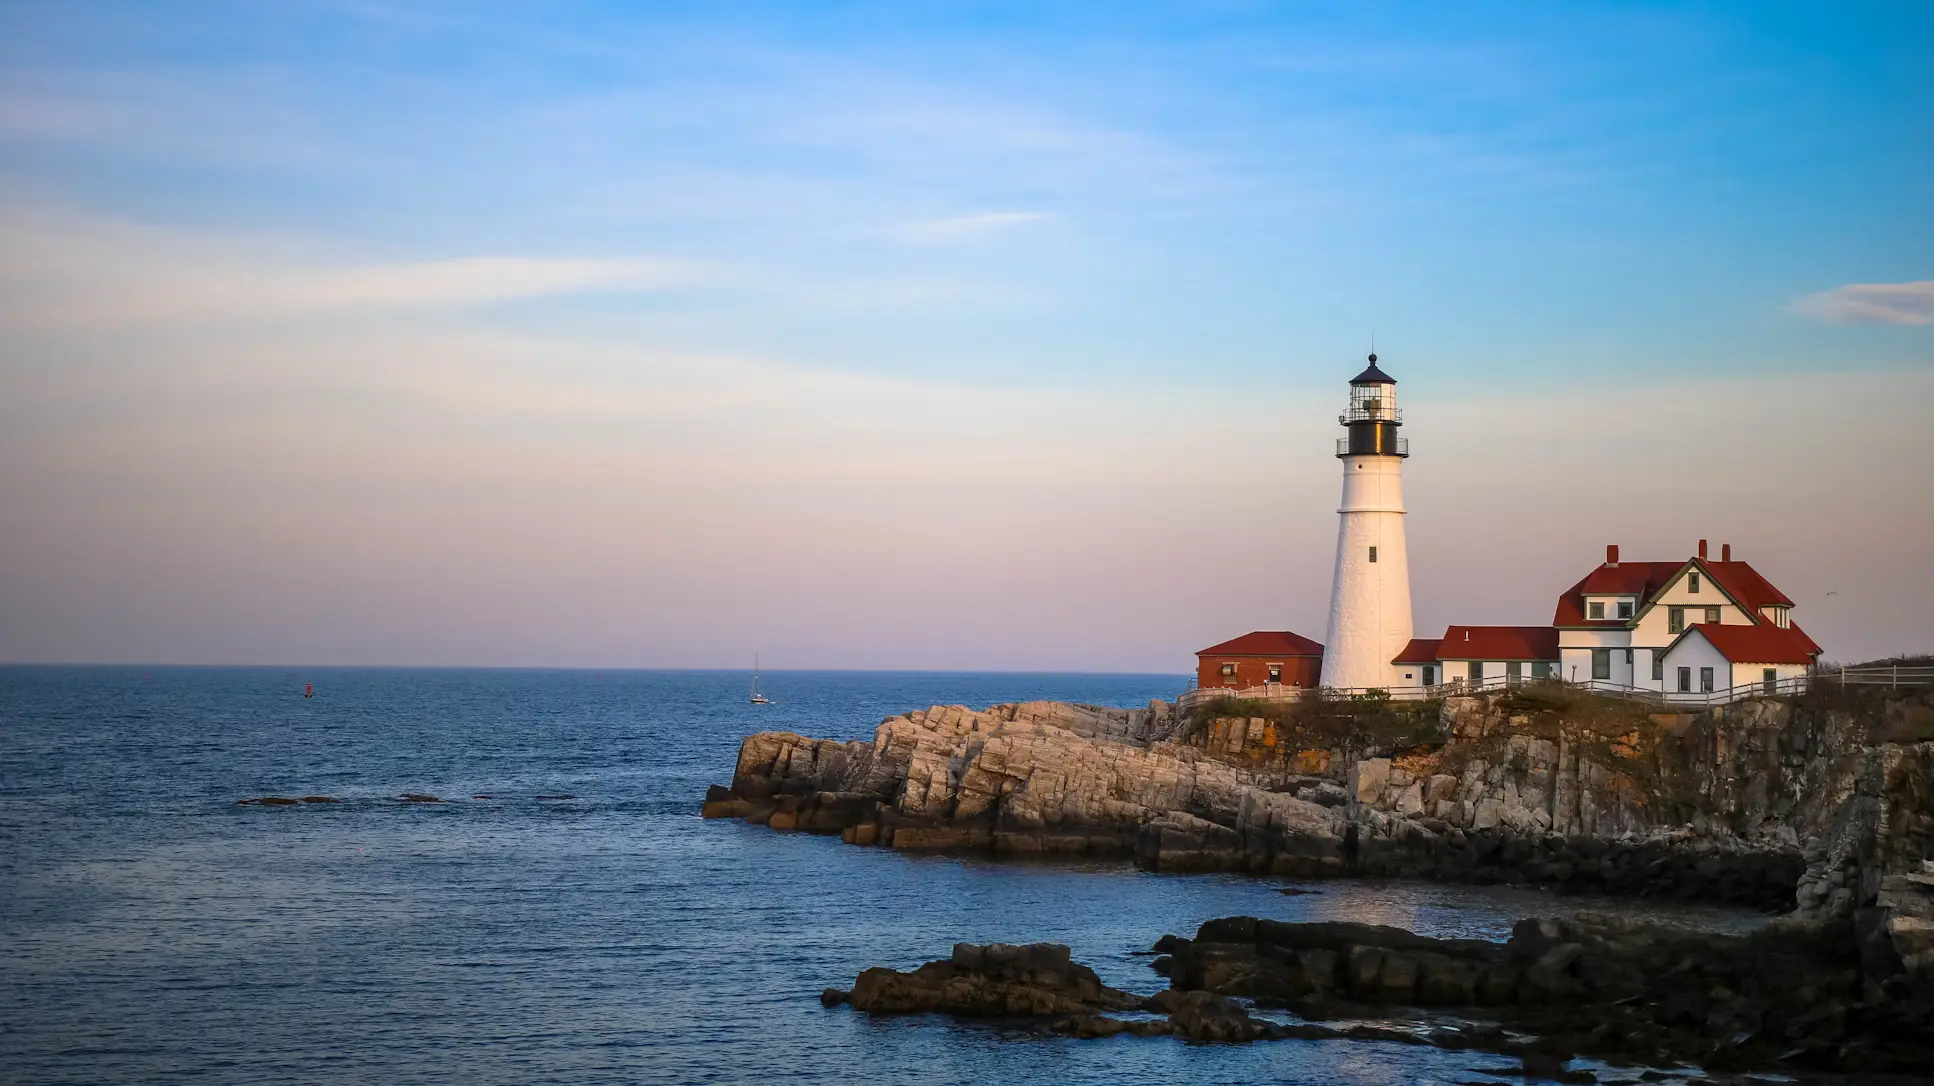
1846	676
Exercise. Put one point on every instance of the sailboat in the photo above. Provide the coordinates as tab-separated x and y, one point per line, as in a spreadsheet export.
757	698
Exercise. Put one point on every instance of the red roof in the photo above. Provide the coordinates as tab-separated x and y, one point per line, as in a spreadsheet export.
1762	644
1743	583
1421	650
1499	643
1647	579
1641	579
1266	643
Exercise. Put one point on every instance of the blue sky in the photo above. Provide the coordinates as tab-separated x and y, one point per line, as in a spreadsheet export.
624	334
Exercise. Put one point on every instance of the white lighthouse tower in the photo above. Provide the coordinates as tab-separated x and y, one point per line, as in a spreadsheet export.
1370	598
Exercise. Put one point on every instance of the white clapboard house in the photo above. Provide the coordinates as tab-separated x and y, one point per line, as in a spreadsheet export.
1693	626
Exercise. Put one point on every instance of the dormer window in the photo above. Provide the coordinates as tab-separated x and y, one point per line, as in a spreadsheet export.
1625	608
1595	610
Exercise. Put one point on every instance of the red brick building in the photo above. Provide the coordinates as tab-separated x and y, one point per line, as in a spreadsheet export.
1255	659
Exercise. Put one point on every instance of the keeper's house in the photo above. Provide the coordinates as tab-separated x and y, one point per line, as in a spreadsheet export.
1261	658
1690	626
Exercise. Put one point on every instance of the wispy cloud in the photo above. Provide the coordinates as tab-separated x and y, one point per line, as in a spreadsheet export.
60	268
1872	303
961	228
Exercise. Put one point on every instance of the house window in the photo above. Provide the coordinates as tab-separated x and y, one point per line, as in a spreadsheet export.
1712	615
1628	661
1275	673
1513	671
1685	680
1625	608
1229	670
1595	610
1601	663
1658	665
1770	680
1373	554
1705	680
1476	672
1430	675
1675	620
1692	583
1541	669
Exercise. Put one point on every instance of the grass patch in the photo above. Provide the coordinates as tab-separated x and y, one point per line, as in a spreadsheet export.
1356	725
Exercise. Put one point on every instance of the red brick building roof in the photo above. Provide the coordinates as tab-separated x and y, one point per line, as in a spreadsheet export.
1266	643
1762	644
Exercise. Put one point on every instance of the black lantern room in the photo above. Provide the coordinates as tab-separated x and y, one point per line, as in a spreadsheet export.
1373	418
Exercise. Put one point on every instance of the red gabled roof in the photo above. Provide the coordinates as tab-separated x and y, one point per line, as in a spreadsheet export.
1641	579
1421	650
1647	579
1266	643
1762	644
1744	583
1499	643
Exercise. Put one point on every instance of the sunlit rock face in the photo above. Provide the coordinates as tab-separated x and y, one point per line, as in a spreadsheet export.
1765	803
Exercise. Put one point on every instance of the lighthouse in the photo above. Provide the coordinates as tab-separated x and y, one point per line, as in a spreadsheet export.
1370	597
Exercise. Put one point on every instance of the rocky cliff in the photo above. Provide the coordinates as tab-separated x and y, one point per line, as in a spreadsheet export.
1816	805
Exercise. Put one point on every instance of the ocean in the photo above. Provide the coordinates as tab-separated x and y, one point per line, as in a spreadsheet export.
153	930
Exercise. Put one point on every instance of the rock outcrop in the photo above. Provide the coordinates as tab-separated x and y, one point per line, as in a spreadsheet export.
1782	999
1789	997
990	981
1769	803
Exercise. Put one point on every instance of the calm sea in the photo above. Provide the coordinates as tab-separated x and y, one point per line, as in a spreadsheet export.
152	930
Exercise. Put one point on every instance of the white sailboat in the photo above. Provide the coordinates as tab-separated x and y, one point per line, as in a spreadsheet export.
757	698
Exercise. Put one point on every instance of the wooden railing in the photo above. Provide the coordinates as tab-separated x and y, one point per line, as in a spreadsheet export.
1787	687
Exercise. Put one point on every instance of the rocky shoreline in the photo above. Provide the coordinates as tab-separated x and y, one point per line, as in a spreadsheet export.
1785	999
1817	808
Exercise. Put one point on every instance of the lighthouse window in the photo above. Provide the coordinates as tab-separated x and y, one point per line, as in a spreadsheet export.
1373	554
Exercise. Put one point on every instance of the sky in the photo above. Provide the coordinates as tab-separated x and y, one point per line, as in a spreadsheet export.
905	335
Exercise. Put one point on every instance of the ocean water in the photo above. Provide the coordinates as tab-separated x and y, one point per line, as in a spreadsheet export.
153	930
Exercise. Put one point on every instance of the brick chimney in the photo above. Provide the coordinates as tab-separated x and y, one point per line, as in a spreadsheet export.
1702	550
1725	552
1611	555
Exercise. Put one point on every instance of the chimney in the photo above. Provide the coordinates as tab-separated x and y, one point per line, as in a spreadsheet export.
1611	555
1725	552
1702	550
